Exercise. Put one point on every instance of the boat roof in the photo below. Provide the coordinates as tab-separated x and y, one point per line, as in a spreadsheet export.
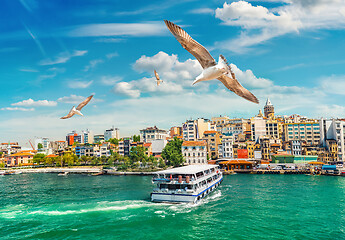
190	169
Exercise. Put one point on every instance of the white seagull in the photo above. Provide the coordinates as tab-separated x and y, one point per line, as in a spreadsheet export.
78	109
159	81
212	70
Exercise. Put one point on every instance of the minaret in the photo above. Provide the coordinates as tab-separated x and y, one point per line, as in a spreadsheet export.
9	148
268	109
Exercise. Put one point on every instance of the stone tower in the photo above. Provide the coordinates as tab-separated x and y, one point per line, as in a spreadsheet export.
268	109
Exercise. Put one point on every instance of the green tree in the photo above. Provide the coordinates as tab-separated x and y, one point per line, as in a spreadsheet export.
39	146
137	154
172	153
136	138
114	141
39	158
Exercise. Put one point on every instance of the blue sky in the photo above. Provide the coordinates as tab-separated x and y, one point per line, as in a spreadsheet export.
55	53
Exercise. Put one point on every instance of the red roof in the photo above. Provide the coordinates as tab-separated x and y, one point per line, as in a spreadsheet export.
193	143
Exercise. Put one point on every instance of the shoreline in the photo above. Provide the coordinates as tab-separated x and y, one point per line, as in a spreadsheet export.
75	170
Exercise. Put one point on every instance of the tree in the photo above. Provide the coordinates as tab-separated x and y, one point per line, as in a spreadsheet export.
114	141
39	146
39	158
136	138
137	154
173	153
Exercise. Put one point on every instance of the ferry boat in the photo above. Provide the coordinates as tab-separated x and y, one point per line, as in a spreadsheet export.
186	184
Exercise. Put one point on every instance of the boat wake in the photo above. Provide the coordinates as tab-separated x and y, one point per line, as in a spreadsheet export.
73	209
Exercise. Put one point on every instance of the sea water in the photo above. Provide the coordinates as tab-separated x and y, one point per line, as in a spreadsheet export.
245	206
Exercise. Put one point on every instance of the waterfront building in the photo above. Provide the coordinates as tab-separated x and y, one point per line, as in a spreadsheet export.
98	138
268	109
111	133
333	129
194	152
73	137
194	129
236	165
274	128
148	149
124	146
10	147
265	148
304	131
45	145
250	145
220	121
101	150
213	140
153	133
88	136
84	150
58	147
22	158
175	132
257	127
225	148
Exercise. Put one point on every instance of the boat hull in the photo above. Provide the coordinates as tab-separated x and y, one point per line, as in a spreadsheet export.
184	197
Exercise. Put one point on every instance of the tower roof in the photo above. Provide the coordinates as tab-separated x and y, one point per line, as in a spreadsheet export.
268	102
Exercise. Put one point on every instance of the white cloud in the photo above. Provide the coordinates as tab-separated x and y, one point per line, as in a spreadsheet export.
202	11
110	80
177	76
125	88
62	57
17	109
75	99
333	84
79	84
92	64
261	24
112	55
119	29
28	70
110	40
247	78
32	103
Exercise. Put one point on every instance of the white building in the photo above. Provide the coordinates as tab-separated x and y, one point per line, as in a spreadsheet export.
296	147
194	129
111	133
45	145
194	152
226	148
87	136
149	134
257	127
333	129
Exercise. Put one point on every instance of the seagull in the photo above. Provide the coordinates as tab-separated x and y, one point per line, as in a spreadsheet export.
211	70
78	109
159	81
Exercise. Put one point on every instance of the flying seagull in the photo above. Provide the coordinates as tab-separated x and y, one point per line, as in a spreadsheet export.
212	70
159	81
78	109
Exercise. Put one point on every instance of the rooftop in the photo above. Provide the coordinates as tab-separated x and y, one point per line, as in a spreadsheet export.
190	169
193	143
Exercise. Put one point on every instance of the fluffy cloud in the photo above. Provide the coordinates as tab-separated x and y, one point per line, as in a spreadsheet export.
333	84
261	23
119	29
62	58
17	109
79	84
125	88
110	80
32	103
75	99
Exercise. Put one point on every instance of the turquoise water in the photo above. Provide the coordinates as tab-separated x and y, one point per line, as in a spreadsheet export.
47	206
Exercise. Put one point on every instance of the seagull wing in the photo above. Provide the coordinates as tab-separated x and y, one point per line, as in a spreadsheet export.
192	46
69	115
233	85
156	75
84	103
